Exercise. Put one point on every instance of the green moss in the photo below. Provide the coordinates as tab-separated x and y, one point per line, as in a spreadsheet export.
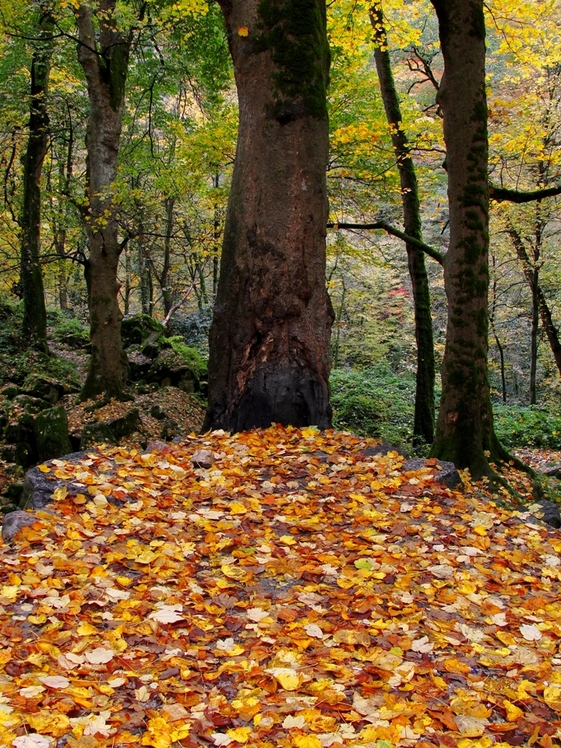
118	67
294	33
191	356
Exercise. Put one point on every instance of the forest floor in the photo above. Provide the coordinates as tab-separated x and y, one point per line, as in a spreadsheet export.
299	592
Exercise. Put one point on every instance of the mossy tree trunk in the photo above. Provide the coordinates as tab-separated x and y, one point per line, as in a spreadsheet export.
464	431
269	342
423	425
34	326
103	53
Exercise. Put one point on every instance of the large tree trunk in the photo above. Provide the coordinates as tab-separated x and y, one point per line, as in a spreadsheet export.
31	277
464	431
104	59
423	425
269	342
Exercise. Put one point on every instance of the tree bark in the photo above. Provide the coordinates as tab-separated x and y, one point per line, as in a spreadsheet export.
423	424
34	325
104	60
269	341
464	431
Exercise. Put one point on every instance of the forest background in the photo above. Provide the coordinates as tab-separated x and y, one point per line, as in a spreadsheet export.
175	161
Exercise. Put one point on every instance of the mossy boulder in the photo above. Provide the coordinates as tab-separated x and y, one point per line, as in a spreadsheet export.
51	433
111	430
9	391
96	433
45	388
171	368
137	329
20	414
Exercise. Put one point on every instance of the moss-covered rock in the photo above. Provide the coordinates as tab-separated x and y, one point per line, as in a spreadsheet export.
111	430
96	433
51	433
20	418
125	425
137	329
44	387
171	368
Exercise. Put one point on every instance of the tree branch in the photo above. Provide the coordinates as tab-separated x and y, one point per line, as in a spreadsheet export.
501	194
426	248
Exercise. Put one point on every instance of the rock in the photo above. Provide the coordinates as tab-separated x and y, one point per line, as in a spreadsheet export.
139	364
125	425
38	487
553	472
45	388
136	329
10	391
14	522
111	430
380	449
202	458
170	368
14	491
51	433
158	412
446	472
547	511
96	433
170	429
157	448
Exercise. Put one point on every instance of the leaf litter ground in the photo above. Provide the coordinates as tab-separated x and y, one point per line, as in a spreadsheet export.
302	592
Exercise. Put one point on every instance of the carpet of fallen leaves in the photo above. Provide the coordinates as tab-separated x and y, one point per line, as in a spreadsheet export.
302	592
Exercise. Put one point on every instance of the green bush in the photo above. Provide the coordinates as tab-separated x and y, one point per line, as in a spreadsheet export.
71	328
374	402
527	426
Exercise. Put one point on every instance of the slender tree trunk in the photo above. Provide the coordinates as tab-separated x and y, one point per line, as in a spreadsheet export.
216	238
164	277
34	326
534	339
423	425
545	312
104	59
464	431
494	331
269	341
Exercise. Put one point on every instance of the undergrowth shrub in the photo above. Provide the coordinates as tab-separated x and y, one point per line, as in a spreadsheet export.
374	402
528	426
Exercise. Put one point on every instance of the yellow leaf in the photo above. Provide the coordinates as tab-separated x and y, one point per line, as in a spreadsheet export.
240	734
243	31
513	712
552	696
44	469
49	723
452	665
233	572
287	539
86	629
60	493
236	507
306	741
158	734
289	679
506	638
